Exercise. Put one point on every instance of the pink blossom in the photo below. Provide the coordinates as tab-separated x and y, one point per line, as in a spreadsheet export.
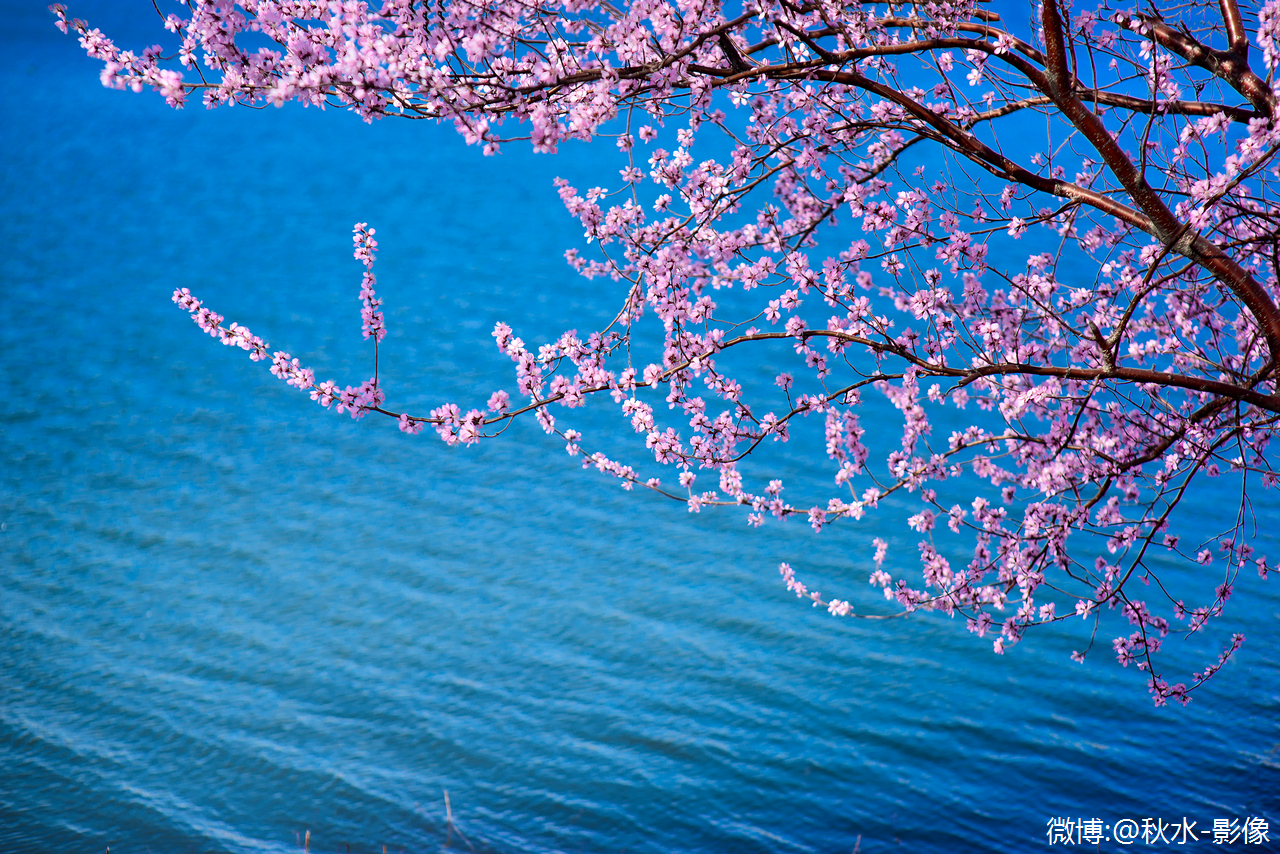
1112	371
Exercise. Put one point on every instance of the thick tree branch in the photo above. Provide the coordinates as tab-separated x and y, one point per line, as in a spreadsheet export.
1231	66
1060	85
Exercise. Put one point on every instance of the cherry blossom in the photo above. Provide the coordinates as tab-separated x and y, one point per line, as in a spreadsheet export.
1063	238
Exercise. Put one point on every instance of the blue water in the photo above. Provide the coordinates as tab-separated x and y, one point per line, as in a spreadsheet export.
227	618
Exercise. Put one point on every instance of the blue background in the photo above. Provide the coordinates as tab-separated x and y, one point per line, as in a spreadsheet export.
227	617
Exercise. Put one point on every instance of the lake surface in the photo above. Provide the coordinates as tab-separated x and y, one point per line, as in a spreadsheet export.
228	618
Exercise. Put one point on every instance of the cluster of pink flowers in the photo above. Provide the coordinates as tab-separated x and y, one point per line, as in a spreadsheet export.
374	326
1126	357
234	335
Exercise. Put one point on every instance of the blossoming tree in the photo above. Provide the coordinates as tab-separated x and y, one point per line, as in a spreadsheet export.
875	171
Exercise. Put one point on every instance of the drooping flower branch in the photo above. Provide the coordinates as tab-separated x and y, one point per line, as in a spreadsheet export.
865	177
